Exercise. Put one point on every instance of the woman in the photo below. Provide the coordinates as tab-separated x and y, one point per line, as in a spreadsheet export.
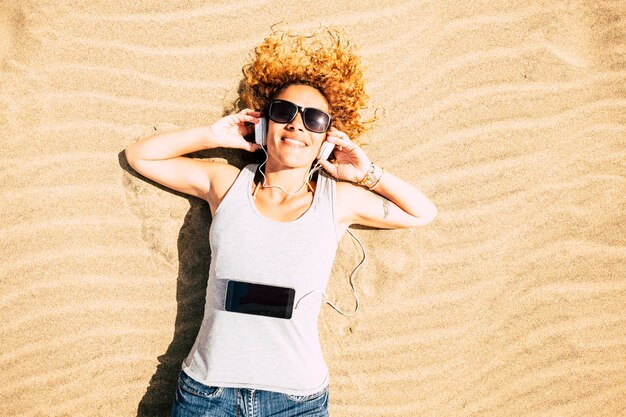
276	224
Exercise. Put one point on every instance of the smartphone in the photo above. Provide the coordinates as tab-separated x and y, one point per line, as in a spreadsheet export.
259	299
260	137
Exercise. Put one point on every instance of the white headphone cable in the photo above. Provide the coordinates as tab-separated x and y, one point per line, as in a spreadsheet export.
306	181
327	300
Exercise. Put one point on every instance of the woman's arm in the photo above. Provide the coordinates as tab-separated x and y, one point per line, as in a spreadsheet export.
393	203
159	157
170	145
226	132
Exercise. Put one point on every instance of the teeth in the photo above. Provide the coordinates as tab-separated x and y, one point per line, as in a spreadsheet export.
293	142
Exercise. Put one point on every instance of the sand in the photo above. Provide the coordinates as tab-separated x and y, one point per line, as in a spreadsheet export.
510	116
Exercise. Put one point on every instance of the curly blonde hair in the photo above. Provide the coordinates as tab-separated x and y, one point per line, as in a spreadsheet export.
322	60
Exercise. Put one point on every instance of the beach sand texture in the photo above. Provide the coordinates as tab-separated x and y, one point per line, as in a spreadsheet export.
510	116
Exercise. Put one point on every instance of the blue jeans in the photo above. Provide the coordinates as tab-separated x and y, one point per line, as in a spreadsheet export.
194	399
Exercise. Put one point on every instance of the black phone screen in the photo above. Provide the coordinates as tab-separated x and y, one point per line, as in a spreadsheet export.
259	299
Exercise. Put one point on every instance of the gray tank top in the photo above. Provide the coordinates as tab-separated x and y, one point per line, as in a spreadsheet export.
266	353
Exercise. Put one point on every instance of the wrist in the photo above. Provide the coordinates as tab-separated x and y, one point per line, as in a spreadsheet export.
209	138
372	177
360	178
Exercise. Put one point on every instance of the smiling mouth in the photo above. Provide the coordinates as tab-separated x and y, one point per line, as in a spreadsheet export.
293	142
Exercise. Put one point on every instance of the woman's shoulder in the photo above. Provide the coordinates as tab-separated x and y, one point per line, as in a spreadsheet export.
224	173
344	186
223	176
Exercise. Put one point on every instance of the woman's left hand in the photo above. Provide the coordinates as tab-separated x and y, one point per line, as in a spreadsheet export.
351	162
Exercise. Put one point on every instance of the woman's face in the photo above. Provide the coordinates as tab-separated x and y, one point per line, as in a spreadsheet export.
291	144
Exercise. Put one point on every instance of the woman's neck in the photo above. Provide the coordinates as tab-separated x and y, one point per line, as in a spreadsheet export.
291	180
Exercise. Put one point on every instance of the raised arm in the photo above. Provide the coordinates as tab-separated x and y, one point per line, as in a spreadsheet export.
392	203
159	157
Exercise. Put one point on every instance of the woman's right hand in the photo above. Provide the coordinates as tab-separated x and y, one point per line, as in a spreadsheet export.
229	131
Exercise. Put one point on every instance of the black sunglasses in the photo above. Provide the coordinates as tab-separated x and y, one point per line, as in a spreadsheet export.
315	120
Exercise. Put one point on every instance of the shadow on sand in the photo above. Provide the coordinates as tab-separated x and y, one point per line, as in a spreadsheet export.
194	255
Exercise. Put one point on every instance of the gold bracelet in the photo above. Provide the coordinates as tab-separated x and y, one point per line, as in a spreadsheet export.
372	177
382	171
367	175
